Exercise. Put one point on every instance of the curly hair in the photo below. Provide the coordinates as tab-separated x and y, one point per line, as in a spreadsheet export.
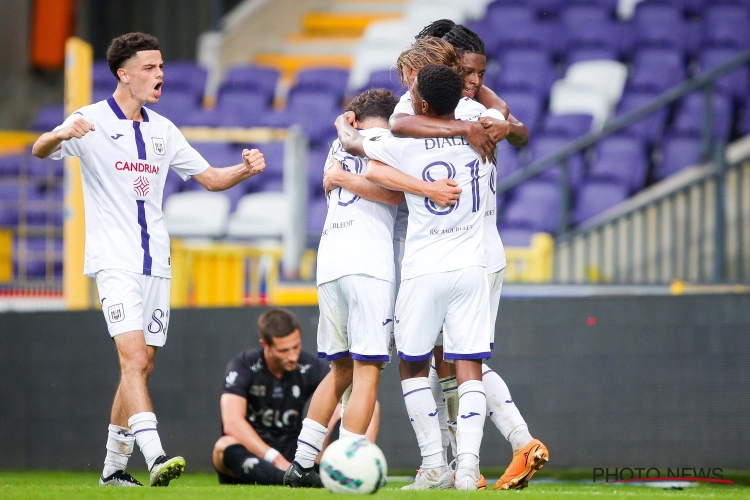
441	87
125	46
462	38
373	103
428	50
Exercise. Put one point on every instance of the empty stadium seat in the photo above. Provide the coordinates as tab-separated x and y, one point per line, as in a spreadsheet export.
331	80
542	146
597	195
534	205
260	215
197	214
525	69
623	158
690	112
49	117
678	152
568	126
567	98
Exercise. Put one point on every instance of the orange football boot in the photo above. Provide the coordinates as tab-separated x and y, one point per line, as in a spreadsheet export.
526	461
482	483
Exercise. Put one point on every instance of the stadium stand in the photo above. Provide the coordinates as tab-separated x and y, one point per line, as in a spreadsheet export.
560	79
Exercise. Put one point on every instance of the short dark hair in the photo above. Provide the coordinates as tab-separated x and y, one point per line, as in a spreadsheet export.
373	103
125	46
276	323
462	38
441	87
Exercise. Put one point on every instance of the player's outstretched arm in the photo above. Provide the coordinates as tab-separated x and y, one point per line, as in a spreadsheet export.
336	176
233	418
219	179
443	192
50	142
350	139
513	130
404	125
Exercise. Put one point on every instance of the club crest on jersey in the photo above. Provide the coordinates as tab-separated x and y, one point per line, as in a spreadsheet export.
158	145
116	313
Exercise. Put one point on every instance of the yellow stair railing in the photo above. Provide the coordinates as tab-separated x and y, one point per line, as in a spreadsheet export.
533	264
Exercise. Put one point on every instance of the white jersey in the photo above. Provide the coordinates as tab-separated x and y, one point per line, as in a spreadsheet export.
124	166
439	239
469	110
358	234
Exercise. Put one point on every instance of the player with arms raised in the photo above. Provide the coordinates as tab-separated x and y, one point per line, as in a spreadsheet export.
125	152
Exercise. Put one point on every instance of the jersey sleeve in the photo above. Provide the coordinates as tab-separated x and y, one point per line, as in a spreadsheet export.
384	148
74	146
186	161
492	113
237	377
404	106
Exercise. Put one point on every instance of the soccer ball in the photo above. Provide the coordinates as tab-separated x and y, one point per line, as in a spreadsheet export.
353	467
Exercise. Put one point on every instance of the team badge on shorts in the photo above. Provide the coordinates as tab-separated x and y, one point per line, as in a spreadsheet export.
116	313
158	145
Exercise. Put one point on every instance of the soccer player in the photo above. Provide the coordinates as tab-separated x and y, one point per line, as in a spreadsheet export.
444	283
355	291
265	391
125	150
529	454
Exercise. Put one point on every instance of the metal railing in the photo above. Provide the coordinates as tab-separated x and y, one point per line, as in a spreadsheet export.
717	189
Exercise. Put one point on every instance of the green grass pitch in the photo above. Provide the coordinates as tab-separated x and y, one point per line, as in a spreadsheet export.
203	486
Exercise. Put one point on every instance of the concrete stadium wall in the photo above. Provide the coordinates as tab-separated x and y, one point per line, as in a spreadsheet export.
655	382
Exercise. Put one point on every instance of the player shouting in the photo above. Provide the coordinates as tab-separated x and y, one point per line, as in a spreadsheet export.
125	151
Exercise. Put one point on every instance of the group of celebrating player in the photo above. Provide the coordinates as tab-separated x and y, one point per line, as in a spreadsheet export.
411	215
409	254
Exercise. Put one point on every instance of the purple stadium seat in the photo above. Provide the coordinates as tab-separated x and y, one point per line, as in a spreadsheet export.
515	236
567	126
541	146
522	35
525	69
251	79
49	117
326	79
745	124
217	154
734	84
534	205
102	77
678	152
317	208
726	26
547	7
501	14
386	79
650	128
597	195
507	160
526	106
176	104
276	185
11	164
30	256
589	26
655	56
660	25
37	167
234	193
689	117
314	111
273	152
656	70
590	54
315	163
185	76
239	108
621	157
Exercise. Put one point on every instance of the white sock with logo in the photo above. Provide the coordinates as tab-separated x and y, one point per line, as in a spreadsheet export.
351	436
310	442
437	394
472	409
120	442
450	392
422	410
143	427
503	411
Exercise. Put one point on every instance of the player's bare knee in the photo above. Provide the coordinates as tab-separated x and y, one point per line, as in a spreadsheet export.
136	363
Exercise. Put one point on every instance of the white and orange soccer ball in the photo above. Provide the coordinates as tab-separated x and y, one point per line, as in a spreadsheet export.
353	467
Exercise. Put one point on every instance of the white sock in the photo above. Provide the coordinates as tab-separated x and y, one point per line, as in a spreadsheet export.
472	409
344	434
310	442
143	426
450	392
437	394
503	411
422	410
120	443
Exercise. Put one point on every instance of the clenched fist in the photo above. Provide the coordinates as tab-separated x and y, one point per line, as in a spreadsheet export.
254	161
77	129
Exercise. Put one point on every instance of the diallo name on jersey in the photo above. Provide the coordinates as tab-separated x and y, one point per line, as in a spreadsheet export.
137	167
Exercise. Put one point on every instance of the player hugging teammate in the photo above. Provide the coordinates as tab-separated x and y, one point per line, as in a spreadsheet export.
448	285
